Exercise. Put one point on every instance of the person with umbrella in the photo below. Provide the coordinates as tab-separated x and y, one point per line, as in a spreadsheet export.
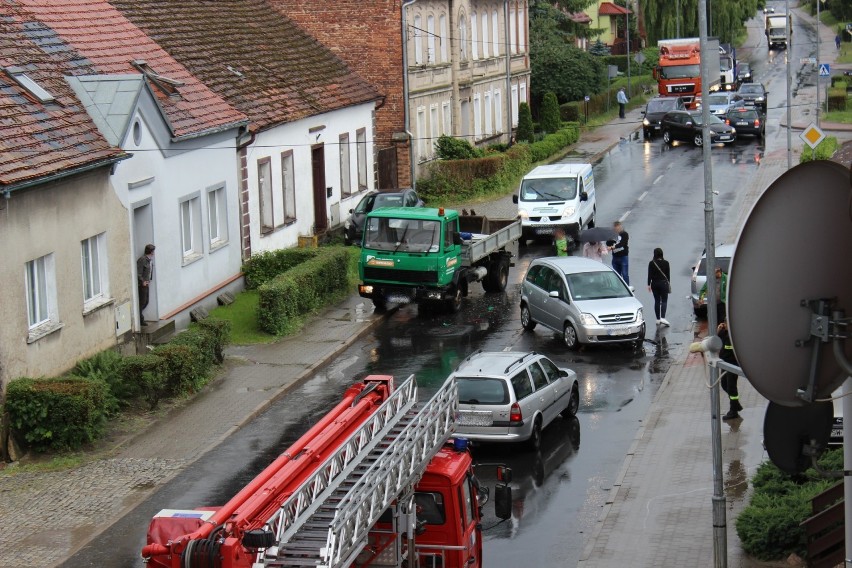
620	251
594	242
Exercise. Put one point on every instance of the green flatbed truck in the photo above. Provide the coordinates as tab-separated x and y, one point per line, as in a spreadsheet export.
432	255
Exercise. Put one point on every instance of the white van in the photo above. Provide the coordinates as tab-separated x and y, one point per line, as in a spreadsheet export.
557	195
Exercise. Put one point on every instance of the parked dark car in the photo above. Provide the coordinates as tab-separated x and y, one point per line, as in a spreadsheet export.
747	121
353	228
654	111
686	125
743	74
753	94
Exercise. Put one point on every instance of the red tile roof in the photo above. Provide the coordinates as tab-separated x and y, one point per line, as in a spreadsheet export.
108	42
580	17
610	9
42	139
248	52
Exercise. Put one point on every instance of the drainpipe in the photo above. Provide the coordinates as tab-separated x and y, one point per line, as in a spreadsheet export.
407	120
508	71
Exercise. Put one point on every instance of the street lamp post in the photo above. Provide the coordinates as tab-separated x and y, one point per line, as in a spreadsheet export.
819	107
627	37
788	25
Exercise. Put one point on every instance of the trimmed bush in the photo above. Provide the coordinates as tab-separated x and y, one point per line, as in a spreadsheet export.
449	148
148	373
525	131
571	112
303	289
219	332
824	150
550	119
57	413
836	97
182	370
106	366
264	266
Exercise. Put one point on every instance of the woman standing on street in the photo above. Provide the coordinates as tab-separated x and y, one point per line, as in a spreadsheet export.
659	284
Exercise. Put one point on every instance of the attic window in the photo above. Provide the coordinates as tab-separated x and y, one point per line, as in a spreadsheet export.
27	82
164	84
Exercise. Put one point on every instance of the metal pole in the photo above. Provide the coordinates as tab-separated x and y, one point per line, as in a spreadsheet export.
818	62
627	36
720	530
847	479
788	25
677	20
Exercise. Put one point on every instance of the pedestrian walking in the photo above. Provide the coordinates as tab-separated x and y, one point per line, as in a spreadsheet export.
621	97
620	249
560	241
597	250
144	276
728	380
721	283
837	41
659	284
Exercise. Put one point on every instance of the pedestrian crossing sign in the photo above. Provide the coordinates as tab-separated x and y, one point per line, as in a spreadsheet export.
825	70
812	136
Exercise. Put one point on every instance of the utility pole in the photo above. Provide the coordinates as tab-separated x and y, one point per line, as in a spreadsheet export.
788	24
627	37
677	20
818	24
720	530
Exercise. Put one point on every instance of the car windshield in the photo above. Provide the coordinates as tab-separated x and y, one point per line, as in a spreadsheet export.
388	200
661	105
366	204
680	71
722	262
408	235
743	115
712	119
717	100
597	285
751	88
743	69
549	189
476	390
725	64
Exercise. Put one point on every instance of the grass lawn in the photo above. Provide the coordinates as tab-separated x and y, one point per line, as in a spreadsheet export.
243	317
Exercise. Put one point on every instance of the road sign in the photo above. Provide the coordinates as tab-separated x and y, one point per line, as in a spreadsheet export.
824	70
612	71
808	60
639	58
812	136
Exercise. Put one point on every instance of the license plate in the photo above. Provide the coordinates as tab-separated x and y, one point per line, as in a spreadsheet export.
545	231
742	123
724	137
475	418
835	433
618	331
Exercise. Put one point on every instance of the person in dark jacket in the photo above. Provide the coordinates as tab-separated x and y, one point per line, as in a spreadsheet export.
659	284
144	275
620	250
727	379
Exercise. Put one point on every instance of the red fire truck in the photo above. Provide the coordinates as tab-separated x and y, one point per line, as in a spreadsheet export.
376	482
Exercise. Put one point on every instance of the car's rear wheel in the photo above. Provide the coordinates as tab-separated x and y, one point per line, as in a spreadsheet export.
573	404
534	442
698	139
667	137
569	336
526	318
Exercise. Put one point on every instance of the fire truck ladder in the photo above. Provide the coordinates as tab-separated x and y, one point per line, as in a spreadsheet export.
327	528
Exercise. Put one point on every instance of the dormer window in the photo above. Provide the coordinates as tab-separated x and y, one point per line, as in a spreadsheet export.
17	74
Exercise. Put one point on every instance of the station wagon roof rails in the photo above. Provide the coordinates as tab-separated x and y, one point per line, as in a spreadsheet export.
468	358
520	360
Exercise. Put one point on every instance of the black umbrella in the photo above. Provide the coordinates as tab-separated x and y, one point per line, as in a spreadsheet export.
597	234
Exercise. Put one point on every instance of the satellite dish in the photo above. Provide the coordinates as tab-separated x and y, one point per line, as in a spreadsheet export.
787	430
795	247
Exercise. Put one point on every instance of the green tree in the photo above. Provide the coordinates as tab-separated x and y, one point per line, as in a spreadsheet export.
550	120
525	131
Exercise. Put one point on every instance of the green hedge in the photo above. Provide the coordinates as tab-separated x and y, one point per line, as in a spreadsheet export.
57	413
288	297
824	150
265	266
769	526
462	180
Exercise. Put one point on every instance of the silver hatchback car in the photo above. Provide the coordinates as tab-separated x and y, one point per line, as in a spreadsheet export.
509	396
583	299
699	275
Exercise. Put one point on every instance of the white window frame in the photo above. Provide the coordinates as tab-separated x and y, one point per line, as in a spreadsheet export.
421	133
442	26
523	92
477	117
447	115
40	283
266	203
515	104
288	186
495	33
522	48
190	227
474	37
93	260
462	39
345	165
430	40
217	216
418	41
513	44
488	111
485	34
361	154
498	111
435	128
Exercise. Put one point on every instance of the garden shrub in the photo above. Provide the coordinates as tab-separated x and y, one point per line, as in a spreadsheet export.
836	98
570	112
303	289
525	131
449	148
182	373
57	413
824	150
148	372
264	266
106	366
550	118
219	332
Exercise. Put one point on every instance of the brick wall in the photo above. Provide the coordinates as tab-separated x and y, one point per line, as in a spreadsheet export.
367	36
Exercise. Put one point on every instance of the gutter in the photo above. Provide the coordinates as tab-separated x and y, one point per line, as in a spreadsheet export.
405	87
8	189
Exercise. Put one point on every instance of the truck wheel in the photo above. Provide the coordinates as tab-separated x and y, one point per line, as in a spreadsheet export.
526	318
498	276
569	335
454	303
